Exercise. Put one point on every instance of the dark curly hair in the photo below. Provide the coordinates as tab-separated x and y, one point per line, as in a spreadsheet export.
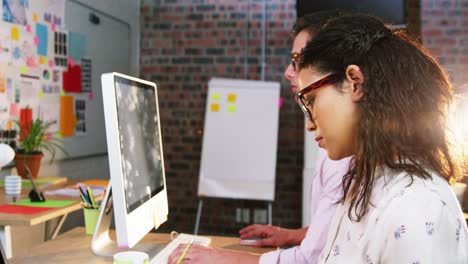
312	22
402	123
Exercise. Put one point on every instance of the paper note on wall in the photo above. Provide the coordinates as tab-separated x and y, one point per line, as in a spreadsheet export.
5	44
49	113
14	11
231	108
214	107
42	36
51	12
215	97
14	33
72	79
231	98
67	116
76	45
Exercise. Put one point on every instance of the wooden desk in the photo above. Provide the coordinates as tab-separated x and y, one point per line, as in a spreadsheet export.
18	232
74	246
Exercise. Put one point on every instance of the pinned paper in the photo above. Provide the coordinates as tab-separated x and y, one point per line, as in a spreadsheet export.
59	135
34	17
215	97
51	63
72	79
231	98
9	125
14	33
24	70
91	96
214	107
76	45
42	60
28	28
13	109
42	34
52	27
40	94
231	108
67	116
36	40
62	93
49	136
31	62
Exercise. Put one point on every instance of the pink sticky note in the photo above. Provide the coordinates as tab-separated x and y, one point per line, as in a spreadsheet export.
36	40
28	28
71	61
13	109
49	136
91	96
52	27
280	102
51	63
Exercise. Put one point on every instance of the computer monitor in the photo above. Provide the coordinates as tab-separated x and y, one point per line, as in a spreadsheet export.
137	188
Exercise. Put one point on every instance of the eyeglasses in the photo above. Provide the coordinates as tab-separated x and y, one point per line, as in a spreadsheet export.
295	56
306	106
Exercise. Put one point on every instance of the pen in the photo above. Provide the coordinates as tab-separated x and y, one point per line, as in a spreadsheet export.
182	256
91	197
85	196
84	200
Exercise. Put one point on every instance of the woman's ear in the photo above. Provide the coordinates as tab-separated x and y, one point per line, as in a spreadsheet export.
355	77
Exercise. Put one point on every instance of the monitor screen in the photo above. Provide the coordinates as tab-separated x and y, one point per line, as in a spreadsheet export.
139	141
136	162
390	11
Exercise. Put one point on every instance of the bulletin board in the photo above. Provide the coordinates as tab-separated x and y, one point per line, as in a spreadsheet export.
240	140
52	54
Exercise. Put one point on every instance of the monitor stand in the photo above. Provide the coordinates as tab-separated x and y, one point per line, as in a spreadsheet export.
103	245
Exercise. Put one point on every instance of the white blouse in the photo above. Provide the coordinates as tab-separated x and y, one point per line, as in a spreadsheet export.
415	224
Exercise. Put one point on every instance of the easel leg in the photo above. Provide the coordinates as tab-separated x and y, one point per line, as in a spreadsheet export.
270	221
197	222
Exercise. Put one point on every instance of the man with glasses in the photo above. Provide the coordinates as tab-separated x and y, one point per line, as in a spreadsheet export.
326	188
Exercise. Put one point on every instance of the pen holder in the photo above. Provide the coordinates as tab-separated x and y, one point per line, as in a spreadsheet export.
90	218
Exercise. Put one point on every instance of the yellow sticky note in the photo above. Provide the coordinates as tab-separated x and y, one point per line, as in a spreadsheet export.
59	135
214	107
215	96
231	98
24	70
40	94
35	17
42	60
9	125
14	33
62	93
231	108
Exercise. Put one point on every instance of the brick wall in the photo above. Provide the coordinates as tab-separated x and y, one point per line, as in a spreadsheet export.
185	43
445	35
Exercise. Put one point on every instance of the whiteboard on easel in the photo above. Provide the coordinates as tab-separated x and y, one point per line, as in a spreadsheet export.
240	140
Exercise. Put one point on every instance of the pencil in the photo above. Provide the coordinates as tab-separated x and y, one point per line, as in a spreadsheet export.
182	256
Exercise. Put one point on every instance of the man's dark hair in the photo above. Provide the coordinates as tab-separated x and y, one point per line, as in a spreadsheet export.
312	22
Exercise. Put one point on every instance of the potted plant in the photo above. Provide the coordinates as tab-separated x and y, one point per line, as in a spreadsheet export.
34	139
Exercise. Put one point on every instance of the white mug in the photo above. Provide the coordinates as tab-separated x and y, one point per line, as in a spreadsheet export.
13	185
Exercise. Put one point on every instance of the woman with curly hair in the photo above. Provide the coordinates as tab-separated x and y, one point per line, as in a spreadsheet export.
379	96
